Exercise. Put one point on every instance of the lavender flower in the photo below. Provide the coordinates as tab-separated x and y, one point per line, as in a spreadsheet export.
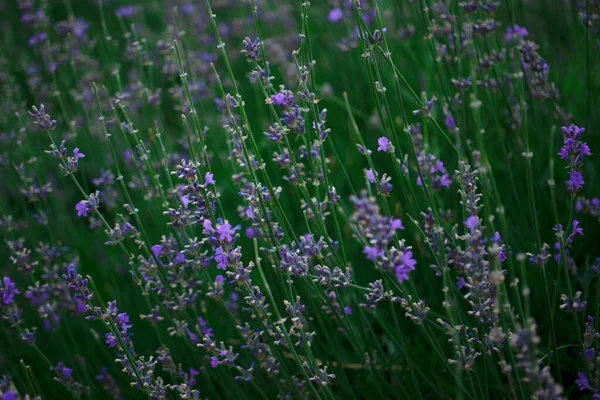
8	291
404	264
573	152
88	206
385	145
515	33
425	111
284	98
65	377
42	119
574	304
335	16
251	49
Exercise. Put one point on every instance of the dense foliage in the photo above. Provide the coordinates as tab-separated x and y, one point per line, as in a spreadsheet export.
285	199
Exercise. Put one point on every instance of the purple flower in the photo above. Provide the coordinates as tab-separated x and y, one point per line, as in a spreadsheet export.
583	383
193	374
335	16
214	362
221	258
207	227
573	152
127	11
372	253
516	32
577	230
575	181
157	250
348	310
64	372
278	98
179	259
111	340
407	264
425	111
251	49
42	119
385	145
185	201
82	208
208	179
589	354
284	99
77	154
472	222
450	122
9	395
371	175
36	39
437	171
460	282
225	233
8	291
396	224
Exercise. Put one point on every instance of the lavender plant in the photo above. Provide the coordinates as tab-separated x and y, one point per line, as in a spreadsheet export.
277	199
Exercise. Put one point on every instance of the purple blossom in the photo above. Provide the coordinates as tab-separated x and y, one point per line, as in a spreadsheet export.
221	258
111	340
450	121
385	145
407	264
9	395
208	179
63	371
78	155
42	119
373	253
8	291
82	208
348	310
157	250
225	233
284	99
515	32
335	16
251	49
575	181
425	111
583	383
377	230
371	176
437	171
577	230
573	152
472	222
128	11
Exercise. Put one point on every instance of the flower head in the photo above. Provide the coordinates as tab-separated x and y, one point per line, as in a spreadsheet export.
515	32
573	152
472	222
8	291
385	145
371	175
82	208
407	264
335	16
208	179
